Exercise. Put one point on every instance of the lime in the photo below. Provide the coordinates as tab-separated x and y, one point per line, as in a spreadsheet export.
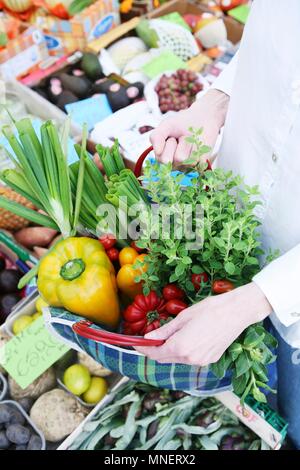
40	304
96	391
36	315
77	379
21	323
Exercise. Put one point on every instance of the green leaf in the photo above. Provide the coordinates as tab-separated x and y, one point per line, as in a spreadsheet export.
235	349
196	269
258	395
252	260
179	270
229	268
240	246
173	278
260	370
243	364
219	367
252	339
186	260
240	383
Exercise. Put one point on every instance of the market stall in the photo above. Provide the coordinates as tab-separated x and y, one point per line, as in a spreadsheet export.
83	85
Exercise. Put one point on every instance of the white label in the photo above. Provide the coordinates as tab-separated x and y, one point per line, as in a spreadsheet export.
21	62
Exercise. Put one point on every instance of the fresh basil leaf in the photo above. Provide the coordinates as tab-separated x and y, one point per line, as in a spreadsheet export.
235	350
243	364
239	383
258	395
260	370
252	339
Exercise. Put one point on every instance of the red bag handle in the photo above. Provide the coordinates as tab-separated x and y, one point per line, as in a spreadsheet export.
139	164
83	328
140	161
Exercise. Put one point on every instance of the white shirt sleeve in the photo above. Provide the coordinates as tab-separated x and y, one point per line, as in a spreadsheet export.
280	283
225	80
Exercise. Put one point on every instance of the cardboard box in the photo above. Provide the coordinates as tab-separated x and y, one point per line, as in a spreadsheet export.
234	28
66	36
23	54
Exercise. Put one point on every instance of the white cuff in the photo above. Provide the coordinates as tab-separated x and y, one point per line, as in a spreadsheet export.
225	80
280	283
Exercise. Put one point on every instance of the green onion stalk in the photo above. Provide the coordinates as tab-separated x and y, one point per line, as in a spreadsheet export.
41	174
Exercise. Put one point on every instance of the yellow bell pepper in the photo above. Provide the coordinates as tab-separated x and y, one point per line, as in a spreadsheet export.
127	274
78	275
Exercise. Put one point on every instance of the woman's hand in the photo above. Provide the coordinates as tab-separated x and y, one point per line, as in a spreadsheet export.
200	334
169	139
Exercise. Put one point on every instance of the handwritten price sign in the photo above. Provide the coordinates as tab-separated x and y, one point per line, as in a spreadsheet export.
26	356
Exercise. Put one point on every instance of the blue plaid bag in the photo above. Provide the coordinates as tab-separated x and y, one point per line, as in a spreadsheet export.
130	363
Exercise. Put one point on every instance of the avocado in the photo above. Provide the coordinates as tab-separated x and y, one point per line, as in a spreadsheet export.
66	97
76	85
91	66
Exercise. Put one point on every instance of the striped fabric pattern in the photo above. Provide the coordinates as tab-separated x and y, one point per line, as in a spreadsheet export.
127	362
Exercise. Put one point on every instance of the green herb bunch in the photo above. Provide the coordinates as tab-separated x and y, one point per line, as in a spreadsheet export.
230	249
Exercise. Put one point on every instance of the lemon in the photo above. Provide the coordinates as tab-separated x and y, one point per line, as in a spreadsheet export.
36	315
21	323
77	379
40	304
96	391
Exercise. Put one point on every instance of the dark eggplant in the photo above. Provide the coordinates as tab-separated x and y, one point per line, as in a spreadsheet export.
7	302
66	97
2	263
102	86
9	280
117	97
79	86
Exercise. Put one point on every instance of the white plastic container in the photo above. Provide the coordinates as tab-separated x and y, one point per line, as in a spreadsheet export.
3	387
29	421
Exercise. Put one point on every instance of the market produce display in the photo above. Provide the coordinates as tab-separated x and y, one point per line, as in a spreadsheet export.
85	79
120	276
141	417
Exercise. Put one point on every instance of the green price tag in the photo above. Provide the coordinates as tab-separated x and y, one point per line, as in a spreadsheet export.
167	60
26	356
240	13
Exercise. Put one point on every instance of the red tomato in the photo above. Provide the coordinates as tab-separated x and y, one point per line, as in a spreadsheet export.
157	323
172	291
113	254
175	306
144	310
220	286
107	240
198	279
136	248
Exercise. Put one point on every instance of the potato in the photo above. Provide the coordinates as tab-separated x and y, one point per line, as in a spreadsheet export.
93	366
4	338
35	236
42	384
57	414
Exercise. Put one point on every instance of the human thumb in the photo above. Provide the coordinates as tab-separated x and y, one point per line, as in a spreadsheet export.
169	328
